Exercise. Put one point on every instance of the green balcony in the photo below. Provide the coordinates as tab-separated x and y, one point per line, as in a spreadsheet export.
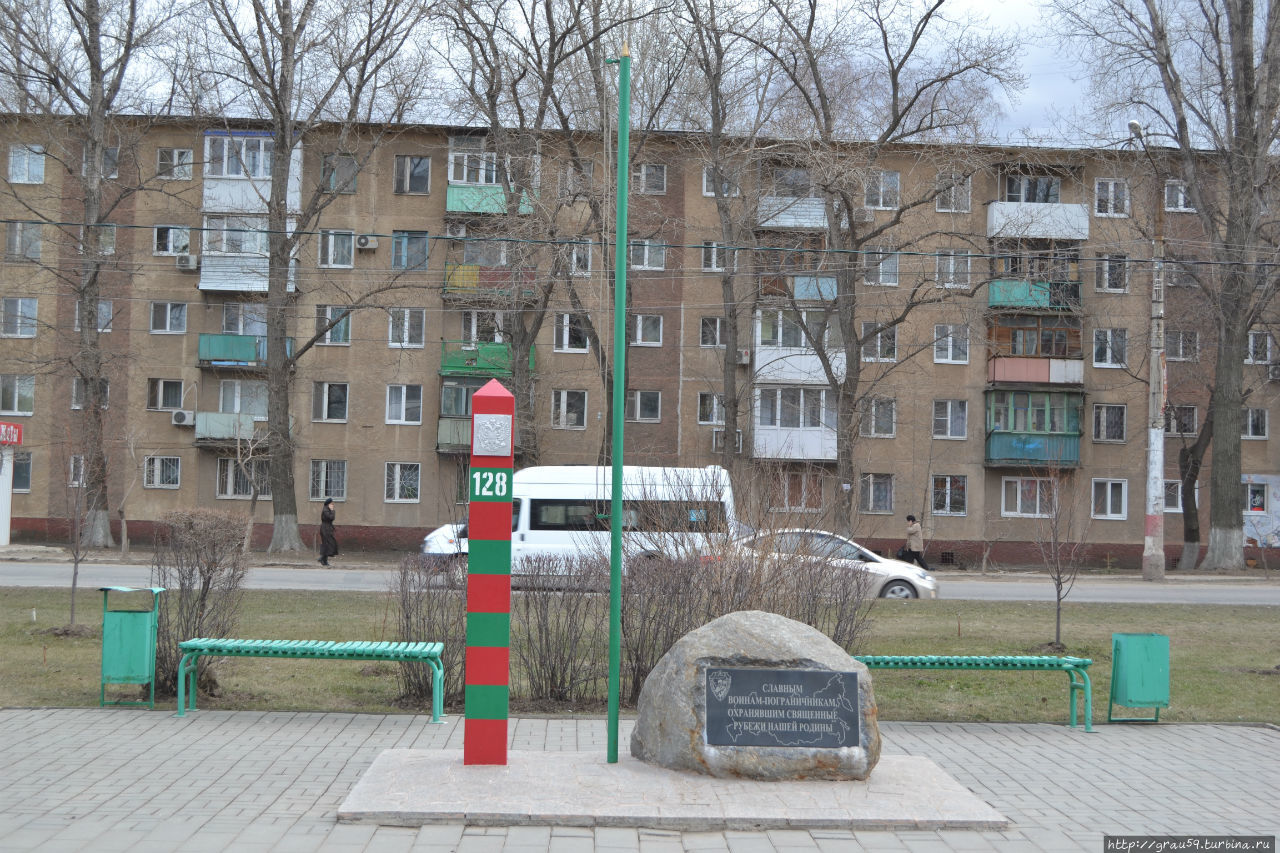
481	198
477	358
239	351
1032	450
1034	295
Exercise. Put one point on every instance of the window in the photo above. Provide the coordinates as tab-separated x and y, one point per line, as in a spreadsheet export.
329	401
237	479
882	268
26	164
413	174
78	394
644	406
711	332
406	328
485	253
1112	273
106	239
1259	348
1173	496
1032	189
953	268
17	317
1181	345
648	255
1176	198
1253	423
409	250
879	417
22	241
226	234
569	409
796	491
243	397
578	178
162	472
879	343
727	187
455	396
786	182
75	476
239	318
579	258
1181	420
797	408
17	394
882	190
1027	497
238	156
164	394
174	164
339	173
340	332
1110	499
715	257
1030	335
482	326
571	334
710	408
404	404
110	163
328	479
1034	411
950	494
1108	422
1110	197
172	240
336	248
402	482
781	329
953	193
950	418
951	344
469	163
875	493
22	471
1255	497
1109	347
649	179
647	330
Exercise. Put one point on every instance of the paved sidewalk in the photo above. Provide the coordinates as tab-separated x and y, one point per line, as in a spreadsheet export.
122	779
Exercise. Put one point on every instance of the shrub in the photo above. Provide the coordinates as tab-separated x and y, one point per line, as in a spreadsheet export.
430	612
559	630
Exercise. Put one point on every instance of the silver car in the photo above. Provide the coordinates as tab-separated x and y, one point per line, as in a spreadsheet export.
889	578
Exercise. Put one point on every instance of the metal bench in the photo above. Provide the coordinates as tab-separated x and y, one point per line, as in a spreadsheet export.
1077	670
193	650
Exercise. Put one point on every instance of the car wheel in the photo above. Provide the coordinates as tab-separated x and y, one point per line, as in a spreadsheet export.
898	589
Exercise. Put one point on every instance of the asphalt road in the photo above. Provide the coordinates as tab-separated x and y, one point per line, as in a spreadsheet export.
1005	587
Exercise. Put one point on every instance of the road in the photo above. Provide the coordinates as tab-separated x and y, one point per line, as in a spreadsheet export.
1123	590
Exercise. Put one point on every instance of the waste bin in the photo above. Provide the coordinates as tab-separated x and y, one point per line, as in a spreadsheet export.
1139	675
129	644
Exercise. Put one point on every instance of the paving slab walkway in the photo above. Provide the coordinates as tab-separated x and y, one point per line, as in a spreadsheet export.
134	780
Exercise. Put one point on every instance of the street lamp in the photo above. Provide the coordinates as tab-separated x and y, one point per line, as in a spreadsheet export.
1153	531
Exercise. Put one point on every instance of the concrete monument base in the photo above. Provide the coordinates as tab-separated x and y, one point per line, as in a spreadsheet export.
408	787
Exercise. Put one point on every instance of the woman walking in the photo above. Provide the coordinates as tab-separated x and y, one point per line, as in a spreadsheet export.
914	552
328	542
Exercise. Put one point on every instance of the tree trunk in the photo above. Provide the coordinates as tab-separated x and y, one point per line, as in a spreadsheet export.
1226	510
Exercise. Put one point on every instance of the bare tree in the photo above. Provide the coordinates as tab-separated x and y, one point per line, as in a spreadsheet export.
1062	536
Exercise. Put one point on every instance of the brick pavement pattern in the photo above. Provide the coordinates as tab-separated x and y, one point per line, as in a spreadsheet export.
121	779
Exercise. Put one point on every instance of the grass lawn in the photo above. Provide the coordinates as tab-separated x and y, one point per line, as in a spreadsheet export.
1225	660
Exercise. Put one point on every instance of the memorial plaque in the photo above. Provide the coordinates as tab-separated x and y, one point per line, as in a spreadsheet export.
782	707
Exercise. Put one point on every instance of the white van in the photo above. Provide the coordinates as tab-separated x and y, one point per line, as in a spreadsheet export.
563	511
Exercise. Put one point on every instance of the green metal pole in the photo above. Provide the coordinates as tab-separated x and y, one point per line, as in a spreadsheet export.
619	395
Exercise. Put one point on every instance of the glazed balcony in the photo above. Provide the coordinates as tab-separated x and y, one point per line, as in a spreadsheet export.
1007	449
1038	221
790	212
1042	371
241	352
239	273
481	198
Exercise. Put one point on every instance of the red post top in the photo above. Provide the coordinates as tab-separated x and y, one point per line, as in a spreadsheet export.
493	410
12	433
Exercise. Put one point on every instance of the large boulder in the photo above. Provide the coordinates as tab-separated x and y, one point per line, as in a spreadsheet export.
780	707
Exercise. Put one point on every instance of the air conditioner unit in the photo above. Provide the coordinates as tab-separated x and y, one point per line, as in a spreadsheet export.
183	418
717	440
190	263
367	241
744	356
456	230
1273	372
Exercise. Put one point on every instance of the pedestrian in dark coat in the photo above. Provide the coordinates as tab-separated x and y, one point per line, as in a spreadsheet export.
328	542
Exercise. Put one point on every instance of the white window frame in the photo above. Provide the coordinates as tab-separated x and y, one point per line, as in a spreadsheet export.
1025	182
1111	198
22	472
867	487
1105	269
1249	420
180	166
166	234
470	163
710	400
78	389
472	326
250	232
403	176
1250	489
575	182
1183	338
481	252
1108	342
883	190
945	412
1176	191
807	498
873	409
564	329
647	255
18	316
946	201
400	328
110	162
1252	348
156	394
244	318
154	469
635	411
716	256
75	471
228	471
1110	486
949	491
776	405
174	318
15	389
397	487
399	402
580	259
24	241
729	189
330	244
1171	421
241	398
716	323
638	338
339	335
1173	487
106	314
874	348
238	149
560	399
1043	484
948	340
1101	423
26	164
328	480
884	264
649	179
954	268
320	402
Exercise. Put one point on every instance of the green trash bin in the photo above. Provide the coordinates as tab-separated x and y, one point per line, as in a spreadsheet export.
1139	675
129	644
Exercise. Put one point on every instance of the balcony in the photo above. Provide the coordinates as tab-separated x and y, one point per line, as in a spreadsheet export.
453	435
804	288
239	273
242	352
1040	221
1021	294
218	429
789	212
477	358
1045	371
472	283
800	444
1032	450
481	198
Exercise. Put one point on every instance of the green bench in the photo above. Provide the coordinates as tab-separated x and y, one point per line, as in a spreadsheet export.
193	650
1077	670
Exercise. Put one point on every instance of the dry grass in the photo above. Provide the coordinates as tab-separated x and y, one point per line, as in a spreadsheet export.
1224	659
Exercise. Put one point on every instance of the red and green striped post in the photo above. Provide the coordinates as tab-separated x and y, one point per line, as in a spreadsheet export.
487	684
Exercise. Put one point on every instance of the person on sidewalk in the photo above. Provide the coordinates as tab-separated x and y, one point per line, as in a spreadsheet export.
915	544
328	541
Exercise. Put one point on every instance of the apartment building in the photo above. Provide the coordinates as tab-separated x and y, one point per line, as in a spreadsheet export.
1001	327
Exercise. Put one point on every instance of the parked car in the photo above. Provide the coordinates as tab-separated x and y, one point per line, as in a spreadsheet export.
889	578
